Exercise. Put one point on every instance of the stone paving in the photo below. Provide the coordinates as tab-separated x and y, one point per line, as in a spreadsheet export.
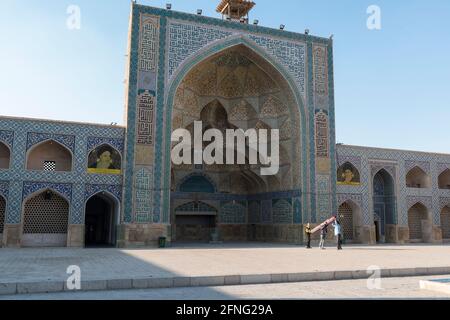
391	288
253	260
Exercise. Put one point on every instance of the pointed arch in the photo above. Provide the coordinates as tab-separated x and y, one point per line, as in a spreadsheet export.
417	178
348	174
350	217
263	60
2	213
101	217
45	219
417	213
444	179
49	155
5	156
104	159
384	202
445	222
197	182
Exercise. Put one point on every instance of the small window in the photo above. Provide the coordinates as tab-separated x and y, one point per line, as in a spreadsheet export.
49	166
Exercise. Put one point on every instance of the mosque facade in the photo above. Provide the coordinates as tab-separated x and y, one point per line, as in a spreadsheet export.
79	184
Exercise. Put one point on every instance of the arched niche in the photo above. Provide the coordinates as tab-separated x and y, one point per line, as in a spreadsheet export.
445	222
5	156
105	159
102	213
417	214
347	174
349	214
444	179
417	178
45	220
238	88
49	155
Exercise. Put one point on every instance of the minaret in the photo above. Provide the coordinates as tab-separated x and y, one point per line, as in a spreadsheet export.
236	10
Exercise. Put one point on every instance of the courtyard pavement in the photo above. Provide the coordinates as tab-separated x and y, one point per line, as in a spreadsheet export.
44	270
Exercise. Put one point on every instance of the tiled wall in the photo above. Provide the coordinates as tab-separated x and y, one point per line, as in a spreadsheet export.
76	186
397	163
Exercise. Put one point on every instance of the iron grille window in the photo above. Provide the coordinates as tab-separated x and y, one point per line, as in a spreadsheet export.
49	165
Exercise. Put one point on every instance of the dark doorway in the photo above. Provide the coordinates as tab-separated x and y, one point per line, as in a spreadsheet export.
195	228
384	201
100	222
377	231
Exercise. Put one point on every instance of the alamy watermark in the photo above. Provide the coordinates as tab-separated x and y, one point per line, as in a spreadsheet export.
73	21
236	143
74	280
374	19
374	280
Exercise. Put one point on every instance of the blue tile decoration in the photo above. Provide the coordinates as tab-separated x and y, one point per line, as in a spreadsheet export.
116	143
143	197
34	138
297	211
7	137
282	211
22	181
177	55
233	212
397	163
254	212
4	189
266	211
93	189
63	189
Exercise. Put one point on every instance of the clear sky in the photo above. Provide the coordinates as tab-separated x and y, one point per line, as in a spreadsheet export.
392	85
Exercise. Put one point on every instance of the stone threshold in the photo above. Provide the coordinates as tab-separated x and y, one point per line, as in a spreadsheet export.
12	288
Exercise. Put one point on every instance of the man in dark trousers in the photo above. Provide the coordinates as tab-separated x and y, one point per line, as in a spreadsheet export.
308	235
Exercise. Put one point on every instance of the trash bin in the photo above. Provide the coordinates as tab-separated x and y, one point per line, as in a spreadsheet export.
162	242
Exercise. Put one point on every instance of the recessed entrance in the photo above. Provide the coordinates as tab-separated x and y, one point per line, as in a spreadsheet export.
100	221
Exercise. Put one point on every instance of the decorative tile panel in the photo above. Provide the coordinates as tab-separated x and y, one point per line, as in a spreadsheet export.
7	137
145	118
320	77
143	195
64	189
93	189
322	143
34	138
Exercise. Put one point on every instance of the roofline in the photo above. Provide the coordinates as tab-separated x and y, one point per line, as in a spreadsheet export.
392	149
290	35
60	121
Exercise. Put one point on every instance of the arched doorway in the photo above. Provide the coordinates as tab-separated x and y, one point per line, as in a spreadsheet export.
5	156
350	218
45	220
445	223
238	88
101	221
49	156
383	203
2	215
195	221
416	215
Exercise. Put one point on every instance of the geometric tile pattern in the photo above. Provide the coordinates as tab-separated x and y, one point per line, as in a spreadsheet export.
181	37
397	163
64	189
7	137
74	136
93	189
34	138
320	77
